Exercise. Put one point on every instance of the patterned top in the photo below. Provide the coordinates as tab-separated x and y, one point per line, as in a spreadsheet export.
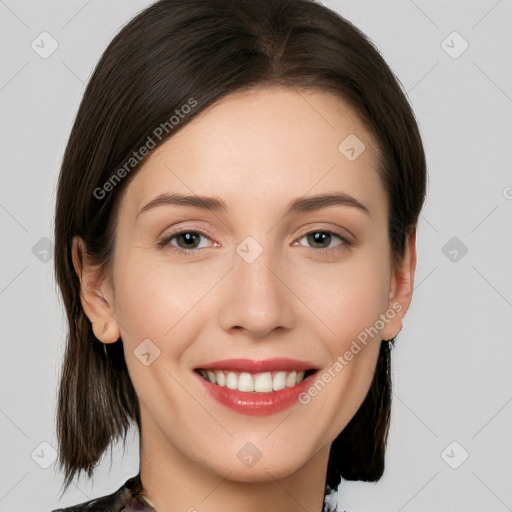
129	498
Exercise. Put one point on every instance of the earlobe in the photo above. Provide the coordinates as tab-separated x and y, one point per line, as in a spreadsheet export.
96	305
104	332
401	289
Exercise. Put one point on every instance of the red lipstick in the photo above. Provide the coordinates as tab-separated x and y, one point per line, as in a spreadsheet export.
255	403
264	365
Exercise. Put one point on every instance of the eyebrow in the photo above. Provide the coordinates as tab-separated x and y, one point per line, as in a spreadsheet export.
299	205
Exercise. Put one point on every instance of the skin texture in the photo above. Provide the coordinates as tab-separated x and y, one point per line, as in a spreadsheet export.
257	150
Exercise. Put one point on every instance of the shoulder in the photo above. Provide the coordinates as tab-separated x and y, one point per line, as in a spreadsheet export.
124	499
108	503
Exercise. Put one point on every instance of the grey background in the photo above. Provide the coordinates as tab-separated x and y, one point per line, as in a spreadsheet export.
452	360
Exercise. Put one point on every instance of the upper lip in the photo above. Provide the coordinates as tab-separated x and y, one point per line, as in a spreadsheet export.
262	365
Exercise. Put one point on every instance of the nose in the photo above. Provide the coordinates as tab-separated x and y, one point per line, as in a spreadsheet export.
256	297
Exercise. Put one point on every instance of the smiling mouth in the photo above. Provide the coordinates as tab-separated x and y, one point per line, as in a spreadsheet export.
263	382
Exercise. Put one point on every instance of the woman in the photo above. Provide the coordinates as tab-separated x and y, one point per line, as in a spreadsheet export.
235	247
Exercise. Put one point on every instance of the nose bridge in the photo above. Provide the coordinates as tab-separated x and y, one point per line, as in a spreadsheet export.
255	267
255	298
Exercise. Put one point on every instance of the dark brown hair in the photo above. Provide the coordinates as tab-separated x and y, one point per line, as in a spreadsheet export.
184	52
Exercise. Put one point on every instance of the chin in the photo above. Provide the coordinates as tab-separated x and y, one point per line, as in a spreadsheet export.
258	468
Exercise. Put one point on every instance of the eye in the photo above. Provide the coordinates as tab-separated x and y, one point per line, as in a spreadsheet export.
187	241
321	239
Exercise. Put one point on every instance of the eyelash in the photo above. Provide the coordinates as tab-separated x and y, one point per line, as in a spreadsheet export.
165	241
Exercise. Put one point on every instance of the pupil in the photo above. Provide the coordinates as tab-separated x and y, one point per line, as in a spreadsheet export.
189	237
319	237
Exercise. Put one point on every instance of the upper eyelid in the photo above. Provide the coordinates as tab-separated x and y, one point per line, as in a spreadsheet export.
327	230
174	234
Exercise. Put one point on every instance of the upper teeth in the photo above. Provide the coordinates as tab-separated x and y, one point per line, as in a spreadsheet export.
261	382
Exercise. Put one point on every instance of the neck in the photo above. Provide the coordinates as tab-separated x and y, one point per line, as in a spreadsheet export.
173	482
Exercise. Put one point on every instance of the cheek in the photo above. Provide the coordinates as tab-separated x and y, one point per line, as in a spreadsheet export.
347	297
152	298
159	302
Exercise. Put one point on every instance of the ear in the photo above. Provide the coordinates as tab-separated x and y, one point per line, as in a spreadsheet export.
96	294
401	288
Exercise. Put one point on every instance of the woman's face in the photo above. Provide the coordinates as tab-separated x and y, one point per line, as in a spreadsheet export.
256	279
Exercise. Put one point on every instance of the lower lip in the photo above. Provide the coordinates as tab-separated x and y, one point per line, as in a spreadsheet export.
254	403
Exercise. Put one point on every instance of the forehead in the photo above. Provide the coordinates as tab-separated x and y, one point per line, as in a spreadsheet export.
270	143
